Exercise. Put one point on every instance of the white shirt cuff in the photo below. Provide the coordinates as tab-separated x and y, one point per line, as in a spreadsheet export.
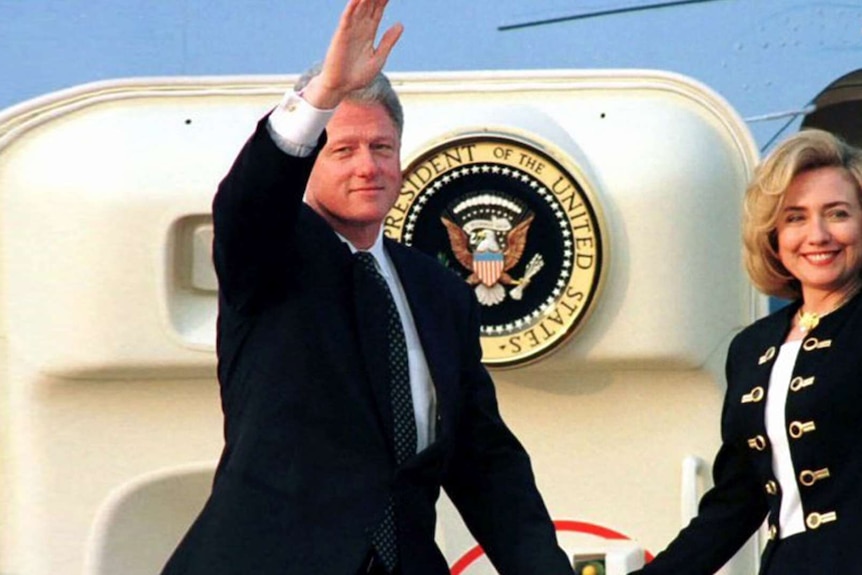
295	125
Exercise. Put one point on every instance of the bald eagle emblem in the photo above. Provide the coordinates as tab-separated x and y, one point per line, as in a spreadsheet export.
488	236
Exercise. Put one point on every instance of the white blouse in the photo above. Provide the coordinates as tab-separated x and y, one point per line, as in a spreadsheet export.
791	519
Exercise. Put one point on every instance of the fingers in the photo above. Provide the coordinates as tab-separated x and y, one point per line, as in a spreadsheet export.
388	40
357	33
360	22
352	59
377	9
364	11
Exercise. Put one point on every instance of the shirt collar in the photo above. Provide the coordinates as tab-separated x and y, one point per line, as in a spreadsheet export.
376	250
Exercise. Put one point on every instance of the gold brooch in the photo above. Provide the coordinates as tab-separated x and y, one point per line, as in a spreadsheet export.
808	320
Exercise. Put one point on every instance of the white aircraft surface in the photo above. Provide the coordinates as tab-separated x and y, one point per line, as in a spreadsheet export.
119	118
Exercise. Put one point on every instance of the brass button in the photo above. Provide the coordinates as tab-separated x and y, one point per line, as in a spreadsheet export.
769	354
813	343
756	395
798	382
815	520
809	477
758	443
771	487
799	428
772	533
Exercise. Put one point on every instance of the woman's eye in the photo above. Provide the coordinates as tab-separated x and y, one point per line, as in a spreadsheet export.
837	214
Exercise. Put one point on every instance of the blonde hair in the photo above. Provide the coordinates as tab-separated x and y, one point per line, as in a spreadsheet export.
764	199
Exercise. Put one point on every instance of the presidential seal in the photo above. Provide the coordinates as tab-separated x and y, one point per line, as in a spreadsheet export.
518	227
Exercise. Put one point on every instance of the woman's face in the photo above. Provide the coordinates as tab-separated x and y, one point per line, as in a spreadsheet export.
820	232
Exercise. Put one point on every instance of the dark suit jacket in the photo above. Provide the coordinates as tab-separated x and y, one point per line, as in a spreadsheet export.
307	467
826	390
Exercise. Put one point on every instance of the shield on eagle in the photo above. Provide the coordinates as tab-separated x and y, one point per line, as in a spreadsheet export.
488	266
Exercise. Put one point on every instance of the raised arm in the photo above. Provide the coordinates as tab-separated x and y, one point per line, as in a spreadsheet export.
258	201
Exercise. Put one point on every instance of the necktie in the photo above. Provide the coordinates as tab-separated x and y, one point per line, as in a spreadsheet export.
372	285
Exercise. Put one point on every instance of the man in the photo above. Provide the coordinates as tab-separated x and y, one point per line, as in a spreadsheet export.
322	473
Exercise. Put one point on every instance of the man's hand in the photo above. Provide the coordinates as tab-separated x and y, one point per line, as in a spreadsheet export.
352	61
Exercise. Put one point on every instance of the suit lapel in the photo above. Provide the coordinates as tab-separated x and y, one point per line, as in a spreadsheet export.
425	303
769	338
335	255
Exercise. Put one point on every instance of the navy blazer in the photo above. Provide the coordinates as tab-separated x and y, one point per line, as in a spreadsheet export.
307	468
824	421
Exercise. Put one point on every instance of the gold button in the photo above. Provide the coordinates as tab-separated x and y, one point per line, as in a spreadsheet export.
813	343
809	478
773	532
815	520
770	353
755	396
758	443
771	487
799	428
798	382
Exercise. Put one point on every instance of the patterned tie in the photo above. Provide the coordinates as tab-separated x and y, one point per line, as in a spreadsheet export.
403	419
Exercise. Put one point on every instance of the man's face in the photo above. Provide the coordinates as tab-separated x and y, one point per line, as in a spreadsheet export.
357	176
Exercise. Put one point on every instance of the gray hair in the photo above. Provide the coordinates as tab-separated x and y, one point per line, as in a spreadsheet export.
379	91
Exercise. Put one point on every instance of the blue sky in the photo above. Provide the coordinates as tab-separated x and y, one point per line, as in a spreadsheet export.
764	56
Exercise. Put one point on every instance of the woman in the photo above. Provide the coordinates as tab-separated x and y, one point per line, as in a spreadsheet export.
791	423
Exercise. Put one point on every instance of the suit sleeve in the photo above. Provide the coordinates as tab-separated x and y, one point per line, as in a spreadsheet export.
491	482
728	514
254	213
